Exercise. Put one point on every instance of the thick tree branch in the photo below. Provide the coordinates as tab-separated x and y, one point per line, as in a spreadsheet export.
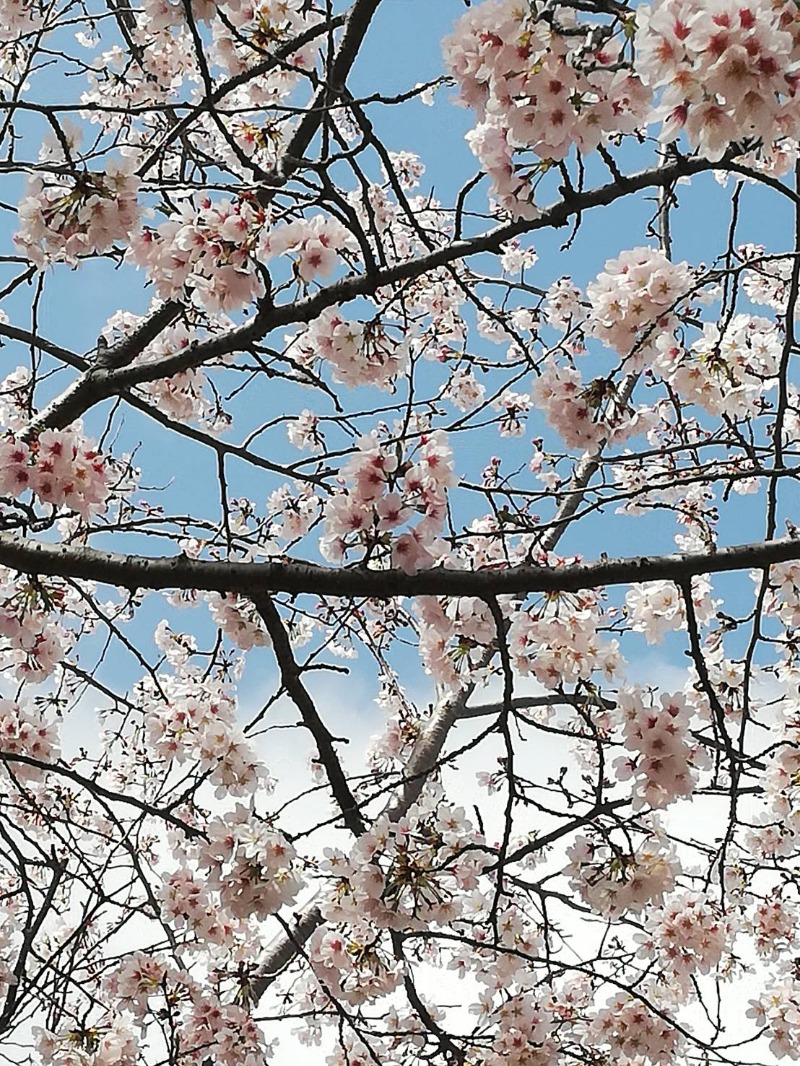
140	572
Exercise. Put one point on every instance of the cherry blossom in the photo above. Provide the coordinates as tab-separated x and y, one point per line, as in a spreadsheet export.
238	620
776	1009
360	353
113	1043
226	1030
196	719
62	221
61	468
689	933
533	89
251	866
633	300
368	513
616	881
559	641
724	74
29	734
665	760
205	252
634	1033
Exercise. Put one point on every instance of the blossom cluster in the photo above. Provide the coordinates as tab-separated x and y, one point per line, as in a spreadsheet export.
293	511
350	962
250	865
189	905
242	871
783	593
304	431
564	307
453	634
20	17
250	30
140	977
60	466
213	252
455	631
656	608
688	934
112	1042
632	308
633	1032
778	1010
728	369
11	936
400	728
524	1031
660	754
614	881
776	826
316	244
483	955
28	733
165	14
536	88
168	61
63	219
572	407
633	301
147	982
588	415
464	390
558	642
723	73
34	641
15	395
359	353
224	1032
206	250
384	494
775	926
767	279
183	395
410	873
238	619
190	717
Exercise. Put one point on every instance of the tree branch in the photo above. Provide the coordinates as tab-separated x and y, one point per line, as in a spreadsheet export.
292	682
297	577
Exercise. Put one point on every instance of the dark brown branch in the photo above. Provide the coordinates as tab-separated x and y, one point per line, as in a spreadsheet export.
292	682
140	572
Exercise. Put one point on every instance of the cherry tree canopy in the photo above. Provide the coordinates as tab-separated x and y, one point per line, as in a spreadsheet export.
399	583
